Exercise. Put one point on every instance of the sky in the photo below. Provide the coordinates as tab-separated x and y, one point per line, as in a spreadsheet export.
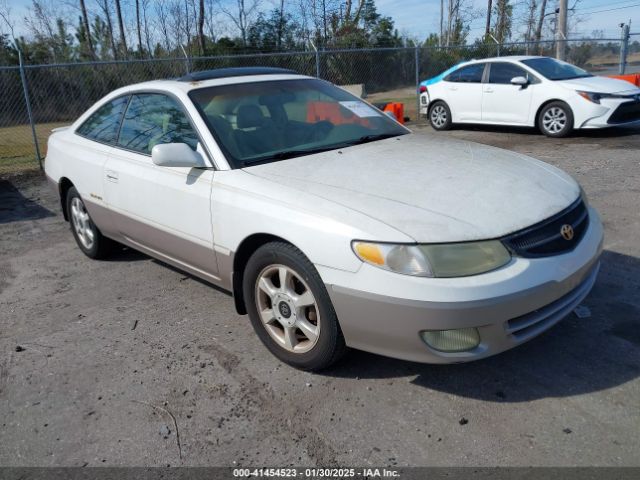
419	18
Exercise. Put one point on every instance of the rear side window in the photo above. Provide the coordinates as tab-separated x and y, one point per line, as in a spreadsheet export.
468	74
504	72
103	125
152	119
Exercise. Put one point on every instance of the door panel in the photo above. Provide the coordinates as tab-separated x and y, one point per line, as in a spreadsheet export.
503	102
164	209
464	93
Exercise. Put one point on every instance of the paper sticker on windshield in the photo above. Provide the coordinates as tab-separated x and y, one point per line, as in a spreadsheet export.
362	110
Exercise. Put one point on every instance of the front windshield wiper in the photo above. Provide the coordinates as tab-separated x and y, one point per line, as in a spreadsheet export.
285	154
576	76
372	138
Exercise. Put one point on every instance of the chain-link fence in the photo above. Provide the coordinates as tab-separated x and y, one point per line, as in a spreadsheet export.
54	95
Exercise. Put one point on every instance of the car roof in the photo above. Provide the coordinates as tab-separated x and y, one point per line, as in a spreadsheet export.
512	58
232	72
210	78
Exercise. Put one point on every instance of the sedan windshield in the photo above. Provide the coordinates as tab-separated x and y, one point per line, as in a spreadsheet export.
268	121
555	69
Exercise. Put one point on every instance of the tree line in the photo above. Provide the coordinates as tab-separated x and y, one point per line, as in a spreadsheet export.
85	30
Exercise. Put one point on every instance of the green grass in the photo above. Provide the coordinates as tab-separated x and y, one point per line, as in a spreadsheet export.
17	152
410	103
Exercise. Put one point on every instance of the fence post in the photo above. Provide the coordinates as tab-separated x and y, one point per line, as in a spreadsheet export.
417	60
317	54
624	47
25	90
186	60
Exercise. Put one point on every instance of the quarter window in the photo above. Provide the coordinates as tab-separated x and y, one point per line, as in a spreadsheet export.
103	125
503	73
152	119
468	74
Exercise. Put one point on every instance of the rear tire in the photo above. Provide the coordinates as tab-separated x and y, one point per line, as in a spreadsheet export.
290	309
440	116
89	239
555	120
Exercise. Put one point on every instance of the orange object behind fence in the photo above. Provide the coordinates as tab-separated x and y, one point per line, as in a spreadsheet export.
397	109
332	112
632	78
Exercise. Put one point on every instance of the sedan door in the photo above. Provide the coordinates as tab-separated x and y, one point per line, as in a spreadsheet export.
503	102
464	93
162	209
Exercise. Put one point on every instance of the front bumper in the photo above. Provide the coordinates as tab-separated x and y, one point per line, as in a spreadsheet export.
508	306
610	113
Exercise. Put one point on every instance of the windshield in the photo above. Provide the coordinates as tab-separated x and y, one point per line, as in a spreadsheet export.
269	121
555	69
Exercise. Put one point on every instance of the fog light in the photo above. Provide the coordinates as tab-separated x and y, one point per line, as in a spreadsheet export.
458	340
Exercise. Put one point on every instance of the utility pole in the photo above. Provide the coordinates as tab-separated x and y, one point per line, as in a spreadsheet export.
561	43
487	30
624	46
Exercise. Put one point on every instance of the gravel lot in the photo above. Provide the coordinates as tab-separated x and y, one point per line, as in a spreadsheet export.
130	362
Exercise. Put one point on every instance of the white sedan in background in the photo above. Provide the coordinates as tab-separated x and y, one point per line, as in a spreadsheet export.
331	224
542	92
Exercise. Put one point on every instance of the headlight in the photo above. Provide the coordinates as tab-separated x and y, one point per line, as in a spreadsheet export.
434	260
596	97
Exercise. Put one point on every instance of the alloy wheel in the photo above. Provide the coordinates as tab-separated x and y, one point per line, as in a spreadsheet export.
554	120
288	308
82	223
438	116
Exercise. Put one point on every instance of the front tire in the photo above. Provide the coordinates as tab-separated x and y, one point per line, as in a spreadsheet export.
290	309
555	120
89	239
440	116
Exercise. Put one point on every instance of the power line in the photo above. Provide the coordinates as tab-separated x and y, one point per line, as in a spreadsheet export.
607	4
611	9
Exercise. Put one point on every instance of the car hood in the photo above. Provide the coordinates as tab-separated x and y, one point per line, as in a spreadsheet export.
600	85
430	187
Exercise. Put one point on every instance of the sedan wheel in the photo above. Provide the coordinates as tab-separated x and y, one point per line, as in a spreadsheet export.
440	116
290	309
556	120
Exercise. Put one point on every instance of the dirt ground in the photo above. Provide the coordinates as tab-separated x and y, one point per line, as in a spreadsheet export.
130	362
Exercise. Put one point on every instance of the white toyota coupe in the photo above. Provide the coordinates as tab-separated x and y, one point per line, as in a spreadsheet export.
331	224
542	92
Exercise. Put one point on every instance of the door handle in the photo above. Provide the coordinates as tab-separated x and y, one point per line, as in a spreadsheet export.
453	88
112	176
488	90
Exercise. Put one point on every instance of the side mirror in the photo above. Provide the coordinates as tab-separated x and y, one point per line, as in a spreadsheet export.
176	155
522	81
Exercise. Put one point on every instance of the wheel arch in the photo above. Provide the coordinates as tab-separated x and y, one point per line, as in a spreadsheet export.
64	184
246	248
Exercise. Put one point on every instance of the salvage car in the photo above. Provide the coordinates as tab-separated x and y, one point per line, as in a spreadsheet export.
552	95
331	224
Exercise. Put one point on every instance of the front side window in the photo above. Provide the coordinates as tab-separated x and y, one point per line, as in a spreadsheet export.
503	73
555	69
278	119
153	118
469	74
103	125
